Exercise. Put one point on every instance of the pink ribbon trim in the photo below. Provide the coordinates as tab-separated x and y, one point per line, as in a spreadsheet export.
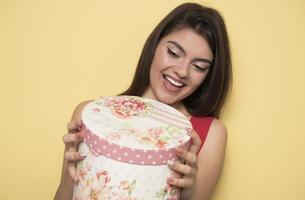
99	146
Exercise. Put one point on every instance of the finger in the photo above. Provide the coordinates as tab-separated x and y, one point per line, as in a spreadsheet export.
187	156
72	171
73	156
74	126
180	182
182	168
196	142
73	138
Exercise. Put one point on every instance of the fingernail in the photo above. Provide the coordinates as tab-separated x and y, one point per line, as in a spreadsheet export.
78	124
171	163
189	130
179	151
82	155
170	180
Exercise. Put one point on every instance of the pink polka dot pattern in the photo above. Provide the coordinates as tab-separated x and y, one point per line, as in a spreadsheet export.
102	147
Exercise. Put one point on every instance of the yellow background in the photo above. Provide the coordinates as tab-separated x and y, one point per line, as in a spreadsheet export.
57	53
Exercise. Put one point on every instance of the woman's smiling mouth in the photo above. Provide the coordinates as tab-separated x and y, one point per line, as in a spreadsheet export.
172	84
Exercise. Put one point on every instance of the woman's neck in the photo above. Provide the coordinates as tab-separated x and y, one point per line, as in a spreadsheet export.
182	109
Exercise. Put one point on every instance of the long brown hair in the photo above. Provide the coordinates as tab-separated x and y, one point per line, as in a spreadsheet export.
210	96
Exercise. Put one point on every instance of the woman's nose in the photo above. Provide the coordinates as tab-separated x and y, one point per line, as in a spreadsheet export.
181	69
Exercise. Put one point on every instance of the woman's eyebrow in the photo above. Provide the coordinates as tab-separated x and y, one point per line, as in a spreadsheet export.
184	52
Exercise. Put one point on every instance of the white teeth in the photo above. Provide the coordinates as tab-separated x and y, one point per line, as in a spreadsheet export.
175	83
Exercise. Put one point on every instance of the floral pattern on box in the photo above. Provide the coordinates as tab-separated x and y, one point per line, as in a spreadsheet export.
128	141
134	114
95	184
98	184
125	108
156	137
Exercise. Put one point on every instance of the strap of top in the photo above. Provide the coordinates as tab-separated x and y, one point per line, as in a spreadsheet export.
202	125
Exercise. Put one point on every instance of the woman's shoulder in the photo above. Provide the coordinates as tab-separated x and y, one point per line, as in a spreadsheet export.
218	130
81	105
215	141
76	116
209	128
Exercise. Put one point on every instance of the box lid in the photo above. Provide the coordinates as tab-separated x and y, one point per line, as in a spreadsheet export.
130	128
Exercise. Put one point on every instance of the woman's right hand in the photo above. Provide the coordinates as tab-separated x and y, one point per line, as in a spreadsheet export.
72	140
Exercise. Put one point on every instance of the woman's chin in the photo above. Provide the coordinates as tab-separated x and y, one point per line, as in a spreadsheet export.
169	101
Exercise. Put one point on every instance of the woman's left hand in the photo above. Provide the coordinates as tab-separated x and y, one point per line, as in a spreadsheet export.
188	169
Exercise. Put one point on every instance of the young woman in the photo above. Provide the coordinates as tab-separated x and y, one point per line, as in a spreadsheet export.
185	63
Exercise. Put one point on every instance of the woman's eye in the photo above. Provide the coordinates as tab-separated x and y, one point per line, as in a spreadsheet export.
172	53
201	68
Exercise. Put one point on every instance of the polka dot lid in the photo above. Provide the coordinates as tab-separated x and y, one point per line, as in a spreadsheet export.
134	129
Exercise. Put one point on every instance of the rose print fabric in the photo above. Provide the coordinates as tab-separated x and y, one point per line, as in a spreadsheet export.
128	141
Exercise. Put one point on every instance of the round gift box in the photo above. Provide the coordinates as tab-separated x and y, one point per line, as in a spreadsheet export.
128	141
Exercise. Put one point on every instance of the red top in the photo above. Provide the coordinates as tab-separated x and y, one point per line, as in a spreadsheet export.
202	125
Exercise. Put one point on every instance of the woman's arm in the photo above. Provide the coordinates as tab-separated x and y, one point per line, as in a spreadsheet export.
71	140
210	160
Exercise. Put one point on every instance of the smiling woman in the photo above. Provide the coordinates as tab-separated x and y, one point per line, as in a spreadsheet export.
186	64
197	35
179	66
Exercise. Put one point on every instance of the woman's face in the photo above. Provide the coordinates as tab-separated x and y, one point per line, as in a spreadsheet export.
181	63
